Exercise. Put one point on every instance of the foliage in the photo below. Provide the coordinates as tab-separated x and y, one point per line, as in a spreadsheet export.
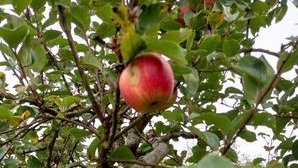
60	104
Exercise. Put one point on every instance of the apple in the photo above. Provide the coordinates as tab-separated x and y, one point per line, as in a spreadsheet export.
208	3
147	83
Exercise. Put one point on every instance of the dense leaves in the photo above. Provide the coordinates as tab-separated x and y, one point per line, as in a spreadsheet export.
60	104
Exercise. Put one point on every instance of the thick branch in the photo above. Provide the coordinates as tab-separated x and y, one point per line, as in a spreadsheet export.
186	135
160	150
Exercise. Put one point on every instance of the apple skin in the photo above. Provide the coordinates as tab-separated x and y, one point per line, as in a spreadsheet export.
147	83
208	3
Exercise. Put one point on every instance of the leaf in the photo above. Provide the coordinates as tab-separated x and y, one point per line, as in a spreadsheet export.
295	149
79	133
192	80
80	13
210	43
287	60
33	162
122	153
51	34
265	119
180	70
213	161
149	17
94	145
20	5
280	13
248	136
177	36
210	138
231	47
70	100
260	7
220	121
92	62
39	57
5	114
252	67
37	4
274	164
13	37
256	23
167	48
131	45
174	116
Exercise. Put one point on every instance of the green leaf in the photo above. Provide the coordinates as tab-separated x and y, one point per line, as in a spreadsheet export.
51	34
39	57
256	23
94	145
33	162
260	7
280	13
180	70
174	116
13	37
5	114
295	149
287	60
177	36
264	119
104	12
248	136
210	138
70	100
37	4
79	133
213	161
80	13
254	68
122	153
167	48
274	164
192	80
149	17
20	5
231	47
210	43
90	61
105	29
131	45
220	121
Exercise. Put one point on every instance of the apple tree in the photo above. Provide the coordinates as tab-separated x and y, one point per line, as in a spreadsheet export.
61	104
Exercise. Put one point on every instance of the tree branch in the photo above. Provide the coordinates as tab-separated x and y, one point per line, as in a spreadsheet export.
258	101
66	29
245	50
137	162
160	150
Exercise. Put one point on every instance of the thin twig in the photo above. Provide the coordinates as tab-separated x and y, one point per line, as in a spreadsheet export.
258	101
131	125
245	50
94	131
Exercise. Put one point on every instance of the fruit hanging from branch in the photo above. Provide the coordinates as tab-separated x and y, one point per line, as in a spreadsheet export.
147	83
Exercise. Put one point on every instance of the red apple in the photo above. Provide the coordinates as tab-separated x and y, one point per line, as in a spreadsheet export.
208	3
147	83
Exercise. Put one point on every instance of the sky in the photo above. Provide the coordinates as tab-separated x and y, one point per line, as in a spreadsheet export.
270	38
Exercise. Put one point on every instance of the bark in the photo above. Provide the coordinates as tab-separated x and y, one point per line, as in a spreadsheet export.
160	150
